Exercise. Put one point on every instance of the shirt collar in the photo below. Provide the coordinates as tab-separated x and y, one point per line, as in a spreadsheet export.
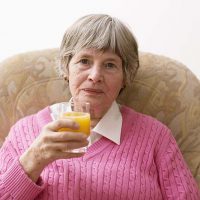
110	125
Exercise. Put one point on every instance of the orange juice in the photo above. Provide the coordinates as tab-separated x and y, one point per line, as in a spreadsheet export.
83	119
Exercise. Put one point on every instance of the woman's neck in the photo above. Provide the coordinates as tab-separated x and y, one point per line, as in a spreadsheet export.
94	122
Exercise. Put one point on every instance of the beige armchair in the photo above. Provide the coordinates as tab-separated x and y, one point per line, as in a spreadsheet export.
163	88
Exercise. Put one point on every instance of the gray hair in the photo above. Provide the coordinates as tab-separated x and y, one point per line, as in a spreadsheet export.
101	32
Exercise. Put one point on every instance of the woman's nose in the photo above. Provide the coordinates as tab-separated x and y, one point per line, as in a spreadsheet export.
95	74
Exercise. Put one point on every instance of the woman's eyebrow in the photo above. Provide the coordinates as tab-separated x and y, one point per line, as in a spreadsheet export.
106	58
112	59
84	55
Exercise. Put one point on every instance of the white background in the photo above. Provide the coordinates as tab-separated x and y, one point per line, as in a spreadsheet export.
166	27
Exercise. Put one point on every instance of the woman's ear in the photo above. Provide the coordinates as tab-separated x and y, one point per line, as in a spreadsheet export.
122	89
123	83
122	86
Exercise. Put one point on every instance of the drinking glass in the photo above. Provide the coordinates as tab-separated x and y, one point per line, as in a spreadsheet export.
80	113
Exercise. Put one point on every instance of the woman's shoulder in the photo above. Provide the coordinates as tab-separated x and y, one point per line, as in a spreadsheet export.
141	118
147	127
145	124
29	126
39	117
25	130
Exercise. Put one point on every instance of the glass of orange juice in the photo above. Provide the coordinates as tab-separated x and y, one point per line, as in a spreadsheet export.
80	113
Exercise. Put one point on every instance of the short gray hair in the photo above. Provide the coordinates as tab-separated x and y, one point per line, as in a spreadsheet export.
101	32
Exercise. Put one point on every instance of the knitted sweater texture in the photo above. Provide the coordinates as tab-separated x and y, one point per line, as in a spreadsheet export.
146	165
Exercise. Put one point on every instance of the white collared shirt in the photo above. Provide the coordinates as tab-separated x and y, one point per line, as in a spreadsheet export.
109	126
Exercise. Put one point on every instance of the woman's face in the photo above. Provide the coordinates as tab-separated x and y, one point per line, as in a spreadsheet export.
96	77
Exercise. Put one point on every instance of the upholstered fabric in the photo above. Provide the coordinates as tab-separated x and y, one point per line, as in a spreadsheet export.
163	88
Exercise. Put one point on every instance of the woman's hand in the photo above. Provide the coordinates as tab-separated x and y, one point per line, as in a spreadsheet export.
51	145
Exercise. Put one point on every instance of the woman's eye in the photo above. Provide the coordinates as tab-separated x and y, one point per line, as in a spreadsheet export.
84	61
110	65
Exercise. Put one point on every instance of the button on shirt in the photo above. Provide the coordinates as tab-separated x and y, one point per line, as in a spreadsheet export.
109	126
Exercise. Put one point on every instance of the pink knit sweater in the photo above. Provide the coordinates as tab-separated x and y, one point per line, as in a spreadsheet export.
146	165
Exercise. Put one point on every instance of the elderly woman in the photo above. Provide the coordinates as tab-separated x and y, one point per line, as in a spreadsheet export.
131	156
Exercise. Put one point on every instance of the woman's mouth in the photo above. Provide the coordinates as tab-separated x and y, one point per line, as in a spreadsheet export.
93	91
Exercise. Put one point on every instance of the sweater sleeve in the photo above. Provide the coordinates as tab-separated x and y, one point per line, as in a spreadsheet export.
175	178
14	183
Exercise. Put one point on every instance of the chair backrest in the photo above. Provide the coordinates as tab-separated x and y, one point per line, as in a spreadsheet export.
163	88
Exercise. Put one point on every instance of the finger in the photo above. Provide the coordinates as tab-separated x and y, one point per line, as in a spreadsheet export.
66	146
68	136
68	155
75	145
62	123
